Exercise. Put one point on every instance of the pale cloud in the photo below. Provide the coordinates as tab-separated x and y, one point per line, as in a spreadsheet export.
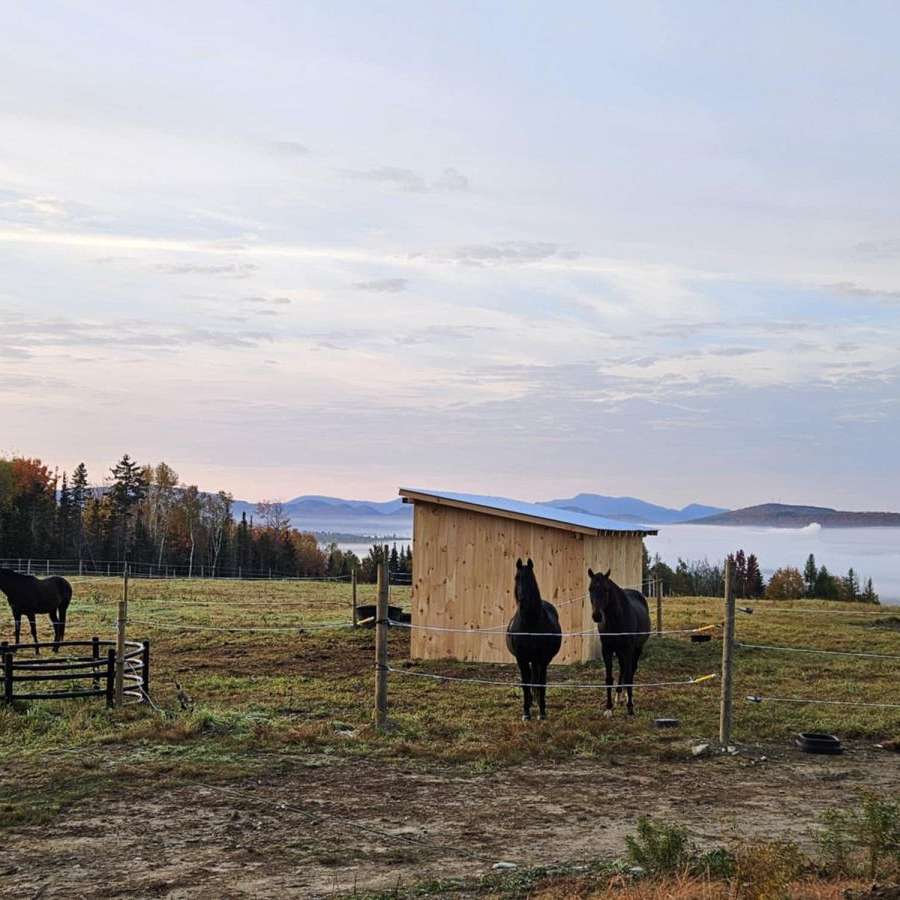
383	285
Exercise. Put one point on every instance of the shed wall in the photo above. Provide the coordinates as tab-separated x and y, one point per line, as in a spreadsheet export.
463	577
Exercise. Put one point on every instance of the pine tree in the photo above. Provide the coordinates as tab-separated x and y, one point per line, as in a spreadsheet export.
851	584
810	575
755	584
394	560
869	595
64	516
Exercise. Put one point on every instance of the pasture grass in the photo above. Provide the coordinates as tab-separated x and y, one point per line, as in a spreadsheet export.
258	700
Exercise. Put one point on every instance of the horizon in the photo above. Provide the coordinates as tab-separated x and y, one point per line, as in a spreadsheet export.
651	248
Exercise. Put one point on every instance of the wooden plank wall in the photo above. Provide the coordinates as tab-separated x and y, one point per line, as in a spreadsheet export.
463	577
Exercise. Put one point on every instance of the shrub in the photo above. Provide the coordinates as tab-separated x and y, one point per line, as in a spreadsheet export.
764	870
659	848
786	584
866	836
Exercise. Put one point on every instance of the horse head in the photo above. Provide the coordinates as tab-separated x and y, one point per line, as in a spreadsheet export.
528	594
604	595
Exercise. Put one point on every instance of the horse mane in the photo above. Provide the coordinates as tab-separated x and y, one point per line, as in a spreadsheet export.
531	599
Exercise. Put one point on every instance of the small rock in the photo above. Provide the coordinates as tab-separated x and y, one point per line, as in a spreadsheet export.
699	749
637	871
503	866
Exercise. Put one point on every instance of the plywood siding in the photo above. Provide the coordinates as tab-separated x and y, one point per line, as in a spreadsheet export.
463	577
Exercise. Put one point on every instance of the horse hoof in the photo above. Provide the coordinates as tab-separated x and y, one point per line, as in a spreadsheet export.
607	714
526	717
543	717
631	711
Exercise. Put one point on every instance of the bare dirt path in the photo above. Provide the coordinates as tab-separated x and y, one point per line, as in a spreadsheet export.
335	824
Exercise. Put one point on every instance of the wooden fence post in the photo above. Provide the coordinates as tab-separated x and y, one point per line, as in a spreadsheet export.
725	715
8	677
95	653
381	650
145	670
110	678
659	605
121	624
353	596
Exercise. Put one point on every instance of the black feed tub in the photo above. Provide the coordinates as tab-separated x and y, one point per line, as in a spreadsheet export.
394	612
815	742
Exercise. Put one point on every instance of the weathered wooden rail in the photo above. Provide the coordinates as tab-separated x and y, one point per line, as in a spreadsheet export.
90	672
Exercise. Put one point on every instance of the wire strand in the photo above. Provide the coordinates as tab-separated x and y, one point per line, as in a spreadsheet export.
554	684
502	631
757	698
815	651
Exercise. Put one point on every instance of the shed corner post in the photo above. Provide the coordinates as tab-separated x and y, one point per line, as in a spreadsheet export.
353	577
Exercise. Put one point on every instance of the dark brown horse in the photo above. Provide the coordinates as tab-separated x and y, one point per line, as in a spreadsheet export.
30	596
533	636
623	621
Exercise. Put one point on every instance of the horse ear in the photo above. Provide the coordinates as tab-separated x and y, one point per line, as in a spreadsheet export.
519	563
590	573
530	563
607	572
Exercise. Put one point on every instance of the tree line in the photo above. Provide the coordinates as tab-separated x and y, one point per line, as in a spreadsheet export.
700	578
145	515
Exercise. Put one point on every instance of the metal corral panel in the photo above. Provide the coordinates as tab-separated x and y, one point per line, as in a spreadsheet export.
464	564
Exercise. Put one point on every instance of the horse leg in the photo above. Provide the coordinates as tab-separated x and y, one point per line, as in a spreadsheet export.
628	666
541	678
62	621
31	622
608	665
525	672
54	618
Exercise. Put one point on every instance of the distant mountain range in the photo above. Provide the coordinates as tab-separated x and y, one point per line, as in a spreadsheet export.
371	518
780	515
630	509
393	518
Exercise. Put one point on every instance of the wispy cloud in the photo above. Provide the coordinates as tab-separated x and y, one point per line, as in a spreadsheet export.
383	285
407	180
229	270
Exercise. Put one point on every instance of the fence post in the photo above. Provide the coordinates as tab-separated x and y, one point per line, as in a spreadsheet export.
120	641
8	677
29	566
353	596
381	650
95	653
145	671
659	605
110	678
80	566
727	659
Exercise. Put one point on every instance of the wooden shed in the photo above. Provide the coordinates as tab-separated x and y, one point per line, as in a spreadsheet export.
465	548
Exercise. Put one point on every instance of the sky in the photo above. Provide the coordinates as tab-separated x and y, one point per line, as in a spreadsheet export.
526	249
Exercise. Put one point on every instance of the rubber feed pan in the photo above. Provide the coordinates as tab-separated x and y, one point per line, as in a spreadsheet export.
814	742
700	638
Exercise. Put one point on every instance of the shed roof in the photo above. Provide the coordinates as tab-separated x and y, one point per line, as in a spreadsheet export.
536	513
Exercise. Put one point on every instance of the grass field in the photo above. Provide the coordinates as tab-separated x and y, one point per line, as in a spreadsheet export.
277	689
265	701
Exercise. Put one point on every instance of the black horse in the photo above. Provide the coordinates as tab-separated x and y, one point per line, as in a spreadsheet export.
30	596
540	641
623	621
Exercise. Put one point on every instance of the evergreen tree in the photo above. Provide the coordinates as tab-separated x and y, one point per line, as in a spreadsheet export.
826	586
755	585
810	575
869	595
394	560
851	586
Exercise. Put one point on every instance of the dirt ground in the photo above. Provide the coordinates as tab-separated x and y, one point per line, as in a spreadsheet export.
333	825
